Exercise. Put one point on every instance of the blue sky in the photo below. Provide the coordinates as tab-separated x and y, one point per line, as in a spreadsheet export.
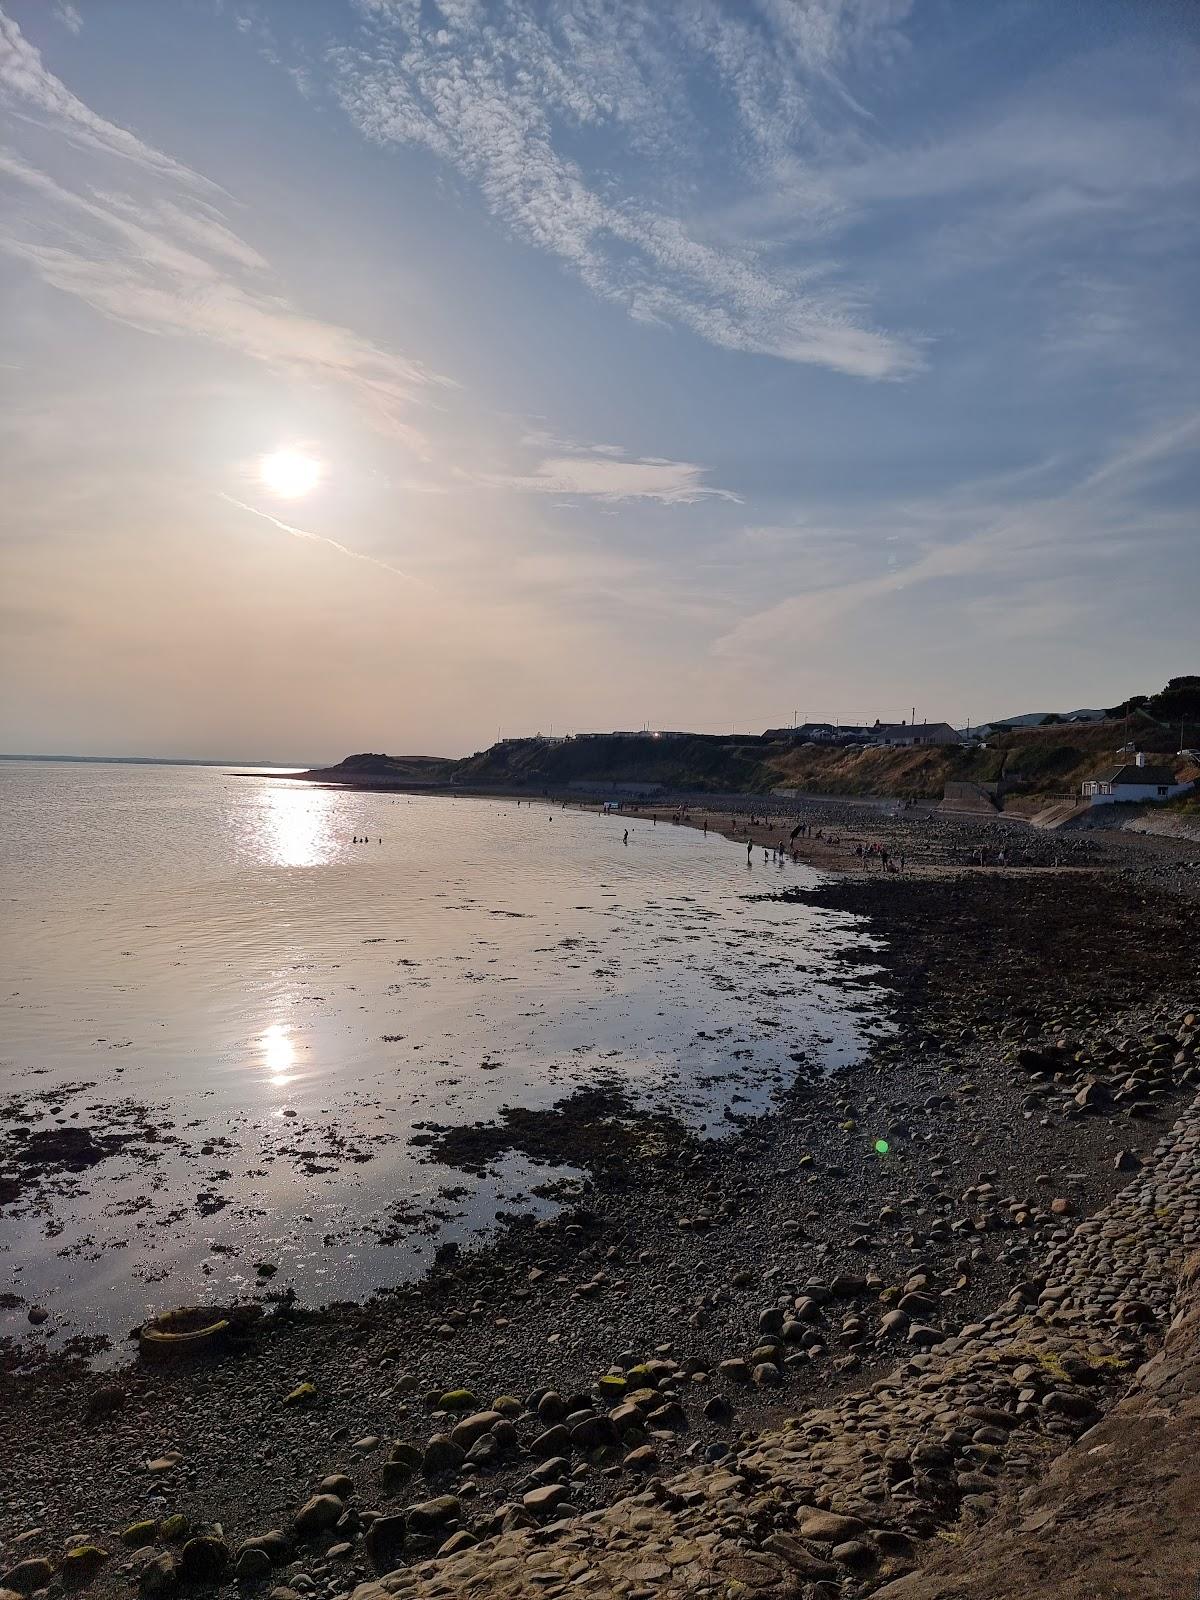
686	363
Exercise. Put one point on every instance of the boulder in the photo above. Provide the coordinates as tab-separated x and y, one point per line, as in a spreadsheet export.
27	1576
466	1432
318	1515
384	1544
159	1576
442	1454
827	1527
204	1558
430	1515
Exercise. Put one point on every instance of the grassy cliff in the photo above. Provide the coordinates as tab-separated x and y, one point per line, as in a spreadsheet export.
1048	761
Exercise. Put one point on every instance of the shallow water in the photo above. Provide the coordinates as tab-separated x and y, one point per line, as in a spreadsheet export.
203	962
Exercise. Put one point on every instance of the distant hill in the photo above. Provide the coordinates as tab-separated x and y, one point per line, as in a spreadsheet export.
370	771
1037	754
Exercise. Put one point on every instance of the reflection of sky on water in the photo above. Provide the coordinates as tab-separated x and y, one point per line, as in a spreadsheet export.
290	1008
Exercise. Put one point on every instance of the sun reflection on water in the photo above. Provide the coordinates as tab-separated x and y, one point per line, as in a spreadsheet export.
296	827
279	1053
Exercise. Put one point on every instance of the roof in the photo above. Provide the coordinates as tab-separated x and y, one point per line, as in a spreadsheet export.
908	730
1131	773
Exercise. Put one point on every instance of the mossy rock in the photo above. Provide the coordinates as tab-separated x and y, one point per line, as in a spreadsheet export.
81	1563
138	1534
174	1528
302	1395
507	1405
611	1386
458	1400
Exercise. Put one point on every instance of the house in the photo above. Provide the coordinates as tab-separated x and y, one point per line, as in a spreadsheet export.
805	732
896	734
1133	780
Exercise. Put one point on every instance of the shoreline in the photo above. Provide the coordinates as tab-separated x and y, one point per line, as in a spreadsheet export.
676	1247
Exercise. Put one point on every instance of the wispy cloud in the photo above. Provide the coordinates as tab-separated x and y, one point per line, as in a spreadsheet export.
504	94
1013	551
165	260
606	473
31	90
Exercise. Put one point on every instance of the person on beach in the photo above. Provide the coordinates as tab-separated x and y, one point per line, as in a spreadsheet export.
625	840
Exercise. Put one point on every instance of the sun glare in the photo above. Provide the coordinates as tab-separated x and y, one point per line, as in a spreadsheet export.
289	473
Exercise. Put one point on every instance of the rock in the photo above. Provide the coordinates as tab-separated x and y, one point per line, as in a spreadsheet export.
104	1402
718	1409
430	1515
318	1515
594	1431
251	1565
29	1575
544	1500
473	1427
1060	1206
462	1540
339	1484
1127	1161
553	1442
174	1528
458	1400
507	1405
274	1545
138	1534
643	1459
856	1555
204	1558
404	1461
160	1575
442	1455
384	1542
766	1375
81	1563
302	1395
826	1527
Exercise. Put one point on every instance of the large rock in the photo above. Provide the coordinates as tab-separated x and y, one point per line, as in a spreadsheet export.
430	1515
474	1427
204	1558
159	1576
27	1576
384	1542
81	1563
318	1515
442	1454
826	1527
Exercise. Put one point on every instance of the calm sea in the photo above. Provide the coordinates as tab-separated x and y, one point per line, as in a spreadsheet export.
258	1014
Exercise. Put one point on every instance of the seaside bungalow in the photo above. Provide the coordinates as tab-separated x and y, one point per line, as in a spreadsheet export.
805	732
896	735
1132	781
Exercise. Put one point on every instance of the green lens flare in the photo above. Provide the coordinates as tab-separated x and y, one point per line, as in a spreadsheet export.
881	1145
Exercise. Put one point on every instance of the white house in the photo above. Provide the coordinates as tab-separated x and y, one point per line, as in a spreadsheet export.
1132	781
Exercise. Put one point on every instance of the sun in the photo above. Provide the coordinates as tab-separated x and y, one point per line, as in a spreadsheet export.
289	473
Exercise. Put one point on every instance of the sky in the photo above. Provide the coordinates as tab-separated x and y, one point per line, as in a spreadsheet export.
388	374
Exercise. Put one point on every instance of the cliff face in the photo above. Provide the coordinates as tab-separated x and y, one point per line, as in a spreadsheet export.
1044	762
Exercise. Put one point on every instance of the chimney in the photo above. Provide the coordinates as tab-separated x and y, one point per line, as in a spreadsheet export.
1140	758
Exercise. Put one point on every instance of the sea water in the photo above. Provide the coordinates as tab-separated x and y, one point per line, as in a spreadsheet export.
257	1016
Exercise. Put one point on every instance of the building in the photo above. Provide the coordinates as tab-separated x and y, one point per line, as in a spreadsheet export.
898	734
1134	780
